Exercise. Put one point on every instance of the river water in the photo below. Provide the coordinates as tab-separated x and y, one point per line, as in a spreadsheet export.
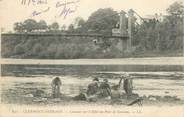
145	83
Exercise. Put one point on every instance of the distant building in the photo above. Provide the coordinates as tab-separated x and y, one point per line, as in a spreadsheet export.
158	17
116	32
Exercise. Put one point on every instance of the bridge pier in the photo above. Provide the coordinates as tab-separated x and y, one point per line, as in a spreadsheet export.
123	24
126	29
123	30
130	29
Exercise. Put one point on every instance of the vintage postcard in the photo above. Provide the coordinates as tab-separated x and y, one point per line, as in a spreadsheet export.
92	58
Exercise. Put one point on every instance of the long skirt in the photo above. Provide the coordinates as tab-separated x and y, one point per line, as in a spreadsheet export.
104	93
56	91
128	86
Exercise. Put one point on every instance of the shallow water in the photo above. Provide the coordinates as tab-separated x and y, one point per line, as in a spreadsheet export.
71	85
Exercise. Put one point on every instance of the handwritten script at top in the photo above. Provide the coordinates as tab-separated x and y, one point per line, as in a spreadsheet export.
33	2
62	8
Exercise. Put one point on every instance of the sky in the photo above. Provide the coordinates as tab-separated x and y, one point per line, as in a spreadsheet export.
12	11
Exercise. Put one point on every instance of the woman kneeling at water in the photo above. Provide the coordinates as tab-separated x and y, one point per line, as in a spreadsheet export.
56	84
105	90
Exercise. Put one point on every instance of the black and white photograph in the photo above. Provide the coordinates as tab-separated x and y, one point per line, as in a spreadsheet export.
68	53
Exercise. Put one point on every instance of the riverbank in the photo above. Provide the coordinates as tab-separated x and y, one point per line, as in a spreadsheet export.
37	91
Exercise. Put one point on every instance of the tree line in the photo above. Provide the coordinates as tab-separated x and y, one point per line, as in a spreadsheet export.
165	35
149	37
30	25
99	21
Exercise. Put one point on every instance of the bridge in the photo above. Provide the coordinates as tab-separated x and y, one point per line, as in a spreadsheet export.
121	36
